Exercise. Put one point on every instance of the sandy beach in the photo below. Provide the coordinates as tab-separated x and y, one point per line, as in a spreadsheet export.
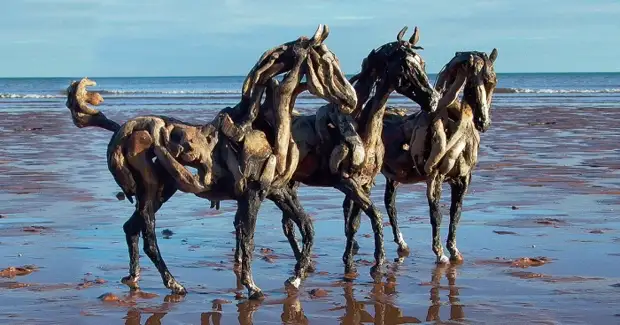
540	234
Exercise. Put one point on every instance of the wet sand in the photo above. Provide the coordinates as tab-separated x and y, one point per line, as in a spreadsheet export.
547	188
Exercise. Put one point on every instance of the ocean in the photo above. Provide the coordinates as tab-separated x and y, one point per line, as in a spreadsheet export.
526	90
540	229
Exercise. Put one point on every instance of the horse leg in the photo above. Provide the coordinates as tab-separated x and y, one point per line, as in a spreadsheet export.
362	199
150	247
288	202
148	176
288	227
132	229
304	222
433	195
154	189
459	188
236	224
390	205
247	213
353	219
349	208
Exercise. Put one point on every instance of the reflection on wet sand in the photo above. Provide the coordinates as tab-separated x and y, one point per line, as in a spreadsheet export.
212	317
134	318
292	313
381	295
134	315
386	313
456	309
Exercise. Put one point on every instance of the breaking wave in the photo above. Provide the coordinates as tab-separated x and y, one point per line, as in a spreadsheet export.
556	91
33	96
168	92
122	93
228	93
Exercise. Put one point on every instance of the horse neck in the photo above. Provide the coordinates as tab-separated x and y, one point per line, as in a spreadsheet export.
370	119
363	87
450	102
468	101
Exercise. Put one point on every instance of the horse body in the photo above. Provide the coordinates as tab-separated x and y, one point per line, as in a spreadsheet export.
346	152
148	155
450	138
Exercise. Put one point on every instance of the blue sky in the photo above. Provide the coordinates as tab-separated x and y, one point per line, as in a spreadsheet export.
208	37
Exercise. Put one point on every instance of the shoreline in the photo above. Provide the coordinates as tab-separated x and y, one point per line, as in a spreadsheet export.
61	215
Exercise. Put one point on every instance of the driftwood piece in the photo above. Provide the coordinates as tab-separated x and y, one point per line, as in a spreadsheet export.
438	135
302	57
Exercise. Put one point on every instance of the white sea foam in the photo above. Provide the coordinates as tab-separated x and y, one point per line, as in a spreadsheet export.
33	96
169	92
556	91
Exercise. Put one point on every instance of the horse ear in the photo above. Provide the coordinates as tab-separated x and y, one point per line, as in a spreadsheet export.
325	33
415	37
493	55
400	35
318	36
470	61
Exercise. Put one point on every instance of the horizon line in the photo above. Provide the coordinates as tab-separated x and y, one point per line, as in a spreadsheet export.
236	76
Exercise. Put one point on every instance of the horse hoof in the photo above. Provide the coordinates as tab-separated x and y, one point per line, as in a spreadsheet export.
403	251
378	271
311	268
456	258
178	289
443	259
256	295
293	282
131	282
399	260
348	269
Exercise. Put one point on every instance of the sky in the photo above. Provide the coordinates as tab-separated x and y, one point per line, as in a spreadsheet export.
99	38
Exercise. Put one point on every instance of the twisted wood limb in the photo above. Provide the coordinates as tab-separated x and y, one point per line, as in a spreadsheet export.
389	199
347	128
291	163
283	114
326	80
338	155
78	99
245	222
237	132
433	195
286	199
174	144
82	115
351	147
439	147
459	188
186	182
361	198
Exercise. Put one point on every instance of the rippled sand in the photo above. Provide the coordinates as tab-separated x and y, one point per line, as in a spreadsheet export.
547	188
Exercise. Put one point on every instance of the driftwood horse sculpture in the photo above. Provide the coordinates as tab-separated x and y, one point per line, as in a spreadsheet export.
346	151
147	155
441	146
